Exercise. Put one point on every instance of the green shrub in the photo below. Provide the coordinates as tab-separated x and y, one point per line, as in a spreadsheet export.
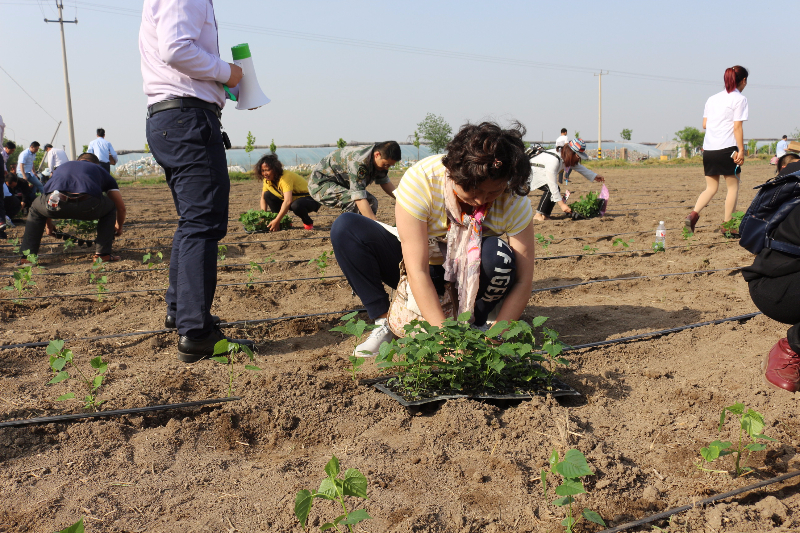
257	220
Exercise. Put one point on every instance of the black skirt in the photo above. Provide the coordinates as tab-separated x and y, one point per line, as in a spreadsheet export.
720	162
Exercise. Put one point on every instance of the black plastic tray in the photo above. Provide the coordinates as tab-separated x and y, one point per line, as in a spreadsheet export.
563	390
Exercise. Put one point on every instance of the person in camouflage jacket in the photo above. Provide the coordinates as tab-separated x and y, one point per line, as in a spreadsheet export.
341	178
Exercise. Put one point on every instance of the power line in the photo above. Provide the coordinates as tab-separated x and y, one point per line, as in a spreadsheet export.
29	95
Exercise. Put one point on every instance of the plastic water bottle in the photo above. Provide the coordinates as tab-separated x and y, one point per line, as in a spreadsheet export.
661	234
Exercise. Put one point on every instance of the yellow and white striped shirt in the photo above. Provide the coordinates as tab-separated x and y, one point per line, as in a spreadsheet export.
421	194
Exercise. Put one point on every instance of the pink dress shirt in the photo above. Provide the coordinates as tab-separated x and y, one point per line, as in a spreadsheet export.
180	51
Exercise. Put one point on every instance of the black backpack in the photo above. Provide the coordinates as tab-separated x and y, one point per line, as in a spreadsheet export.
773	203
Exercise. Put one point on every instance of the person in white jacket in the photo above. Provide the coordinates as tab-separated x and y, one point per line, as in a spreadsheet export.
545	167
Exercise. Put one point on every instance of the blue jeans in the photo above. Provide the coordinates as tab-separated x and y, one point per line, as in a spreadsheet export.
31	178
187	143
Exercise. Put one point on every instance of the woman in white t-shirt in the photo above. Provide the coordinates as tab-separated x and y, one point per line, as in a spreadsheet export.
723	146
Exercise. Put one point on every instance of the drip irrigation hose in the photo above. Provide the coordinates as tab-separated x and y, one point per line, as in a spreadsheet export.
158	331
116	412
606	280
269	282
701	503
638	250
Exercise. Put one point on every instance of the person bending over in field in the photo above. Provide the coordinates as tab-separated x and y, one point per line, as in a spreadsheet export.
342	177
284	191
451	211
76	191
545	168
774	283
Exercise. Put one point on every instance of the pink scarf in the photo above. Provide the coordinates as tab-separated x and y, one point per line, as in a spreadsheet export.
462	263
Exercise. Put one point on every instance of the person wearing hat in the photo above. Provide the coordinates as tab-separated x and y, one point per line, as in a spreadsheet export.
545	167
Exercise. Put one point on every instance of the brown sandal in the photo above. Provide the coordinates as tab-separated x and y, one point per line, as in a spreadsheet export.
107	258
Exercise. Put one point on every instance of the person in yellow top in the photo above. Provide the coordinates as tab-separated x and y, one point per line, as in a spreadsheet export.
284	191
469	197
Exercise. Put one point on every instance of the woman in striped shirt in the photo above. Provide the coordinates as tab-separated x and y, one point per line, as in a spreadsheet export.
484	178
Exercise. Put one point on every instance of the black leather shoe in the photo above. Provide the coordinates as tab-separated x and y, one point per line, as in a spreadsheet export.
191	350
169	321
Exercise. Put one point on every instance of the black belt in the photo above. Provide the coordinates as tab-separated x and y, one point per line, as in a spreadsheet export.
183	103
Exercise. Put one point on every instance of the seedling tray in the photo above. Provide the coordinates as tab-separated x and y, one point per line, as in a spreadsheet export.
560	390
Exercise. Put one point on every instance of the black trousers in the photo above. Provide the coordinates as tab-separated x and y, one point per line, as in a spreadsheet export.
370	256
777	298
187	144
106	165
546	203
101	209
300	206
11	205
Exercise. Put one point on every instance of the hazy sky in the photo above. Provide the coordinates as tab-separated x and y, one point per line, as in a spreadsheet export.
336	68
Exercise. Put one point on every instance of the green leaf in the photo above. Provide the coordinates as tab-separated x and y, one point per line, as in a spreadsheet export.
760	436
252	367
710	454
355	517
568	523
553	458
97	364
326	526
561	502
54	347
332	468
348	316
737	408
58	364
755	447
570	487
61	376
220	358
97	382
496	329
574	465
221	347
328	488
77	527
722	445
591	516
67	396
355	484
302	506
752	423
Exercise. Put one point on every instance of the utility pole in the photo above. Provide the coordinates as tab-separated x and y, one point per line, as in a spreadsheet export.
600	114
71	126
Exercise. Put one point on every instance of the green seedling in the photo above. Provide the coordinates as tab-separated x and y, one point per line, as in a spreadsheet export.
658	247
151	260
589	248
257	220
458	357
69	244
98	278
619	241
543	241
269	259
77	527
221	251
732	225
61	358
15	245
254	269
22	278
232	355
588	206
687	235
334	489
571	469
321	262
751	424
356	328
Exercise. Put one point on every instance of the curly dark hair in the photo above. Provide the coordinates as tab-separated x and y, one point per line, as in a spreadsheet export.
488	152
272	162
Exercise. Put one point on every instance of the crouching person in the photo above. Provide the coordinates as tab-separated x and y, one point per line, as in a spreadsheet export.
284	191
80	186
774	283
479	191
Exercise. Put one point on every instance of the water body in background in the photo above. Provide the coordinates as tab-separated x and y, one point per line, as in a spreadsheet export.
288	156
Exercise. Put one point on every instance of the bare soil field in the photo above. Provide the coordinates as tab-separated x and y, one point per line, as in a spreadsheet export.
647	406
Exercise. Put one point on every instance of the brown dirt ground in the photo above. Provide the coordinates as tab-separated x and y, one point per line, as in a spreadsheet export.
461	466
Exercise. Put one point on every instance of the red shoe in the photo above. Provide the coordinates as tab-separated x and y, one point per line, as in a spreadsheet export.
308	226
782	367
691	221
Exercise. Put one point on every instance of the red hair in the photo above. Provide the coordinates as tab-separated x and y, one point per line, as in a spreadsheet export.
734	76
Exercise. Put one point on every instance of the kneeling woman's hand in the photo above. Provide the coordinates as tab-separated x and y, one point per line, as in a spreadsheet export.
564	207
275	225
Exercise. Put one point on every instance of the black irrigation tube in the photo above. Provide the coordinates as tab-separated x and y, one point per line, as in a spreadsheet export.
639	250
561	287
158	331
701	503
268	282
116	412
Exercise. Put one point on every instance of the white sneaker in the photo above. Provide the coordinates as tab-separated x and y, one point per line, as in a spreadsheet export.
377	336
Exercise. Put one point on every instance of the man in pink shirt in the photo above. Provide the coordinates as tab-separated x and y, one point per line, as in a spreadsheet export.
183	76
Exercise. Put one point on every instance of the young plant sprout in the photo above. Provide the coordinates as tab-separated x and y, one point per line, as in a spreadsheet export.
61	358
14	245
571	469
221	251
356	328
152	260
544	242
77	527
687	235
254	269
731	227
334	489
591	249
751	424
69	244
619	241
233	354
98	278
321	262
257	220
22	278
658	247
588	206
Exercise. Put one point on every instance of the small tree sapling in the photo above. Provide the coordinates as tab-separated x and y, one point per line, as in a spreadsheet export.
334	489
